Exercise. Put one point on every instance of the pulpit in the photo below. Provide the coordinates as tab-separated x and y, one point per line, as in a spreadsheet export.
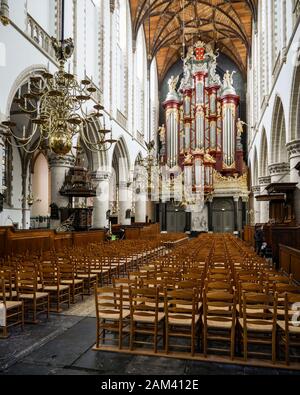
78	187
281	198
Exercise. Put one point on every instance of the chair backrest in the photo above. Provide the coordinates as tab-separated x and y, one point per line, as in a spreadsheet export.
219	306
109	300
2	289
282	289
144	302
218	286
27	280
259	309
292	311
182	304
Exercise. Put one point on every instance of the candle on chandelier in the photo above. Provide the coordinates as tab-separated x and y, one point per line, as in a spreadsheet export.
24	131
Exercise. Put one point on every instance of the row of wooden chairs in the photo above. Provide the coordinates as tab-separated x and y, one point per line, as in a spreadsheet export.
48	282
248	301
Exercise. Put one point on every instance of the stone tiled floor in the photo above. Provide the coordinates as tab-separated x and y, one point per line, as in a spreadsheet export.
63	346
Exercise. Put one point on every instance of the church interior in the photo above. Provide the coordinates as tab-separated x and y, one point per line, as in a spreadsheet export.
149	187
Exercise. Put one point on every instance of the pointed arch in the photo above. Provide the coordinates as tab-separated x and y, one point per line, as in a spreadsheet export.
121	160
279	152
264	155
255	168
295	107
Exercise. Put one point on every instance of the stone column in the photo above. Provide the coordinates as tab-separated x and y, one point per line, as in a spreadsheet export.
124	203
59	166
264	206
210	214
1	164
245	201
294	150
256	205
101	201
163	207
279	172
140	206
236	200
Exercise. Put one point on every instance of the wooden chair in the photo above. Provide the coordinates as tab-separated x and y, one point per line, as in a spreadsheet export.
219	320
145	317
84	272
290	327
11	312
59	294
10	286
111	315
258	323
36	302
182	317
125	283
68	277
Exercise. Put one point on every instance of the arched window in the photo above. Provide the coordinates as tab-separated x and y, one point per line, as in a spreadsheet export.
263	48
154	99
122	58
276	15
141	80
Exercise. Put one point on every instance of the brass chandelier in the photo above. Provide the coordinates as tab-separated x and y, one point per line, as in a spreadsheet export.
55	104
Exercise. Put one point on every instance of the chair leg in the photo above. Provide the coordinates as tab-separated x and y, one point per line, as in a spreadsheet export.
232	344
34	310
167	339
287	349
120	334
205	342
22	317
193	340
132	328
155	337
245	345
98	333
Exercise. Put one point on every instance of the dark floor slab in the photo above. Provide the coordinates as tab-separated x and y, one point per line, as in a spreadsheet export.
21	343
211	368
66	348
141	365
26	369
257	371
103	362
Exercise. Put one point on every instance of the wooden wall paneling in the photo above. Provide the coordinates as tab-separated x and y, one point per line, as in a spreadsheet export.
3	241
63	241
295	266
83	238
290	260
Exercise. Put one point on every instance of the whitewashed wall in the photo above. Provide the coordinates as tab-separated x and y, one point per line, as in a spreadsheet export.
93	26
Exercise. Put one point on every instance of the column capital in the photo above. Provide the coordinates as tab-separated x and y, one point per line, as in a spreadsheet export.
245	199
236	198
61	161
256	190
101	176
124	184
279	168
264	181
293	148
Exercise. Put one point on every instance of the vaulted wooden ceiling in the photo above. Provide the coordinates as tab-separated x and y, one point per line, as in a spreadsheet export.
225	23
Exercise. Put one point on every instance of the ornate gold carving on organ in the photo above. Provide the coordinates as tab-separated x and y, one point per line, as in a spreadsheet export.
201	128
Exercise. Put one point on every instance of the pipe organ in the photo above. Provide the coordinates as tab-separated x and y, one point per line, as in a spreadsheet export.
201	120
202	133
